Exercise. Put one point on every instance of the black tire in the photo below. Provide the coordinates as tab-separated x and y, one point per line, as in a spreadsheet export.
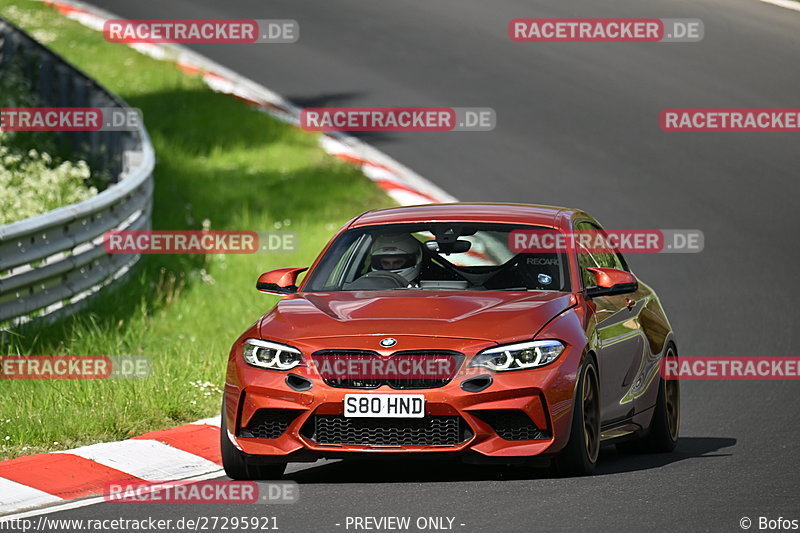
236	464
662	436
579	456
664	428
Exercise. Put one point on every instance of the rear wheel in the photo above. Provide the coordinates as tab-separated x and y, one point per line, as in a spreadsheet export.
579	456
236	464
663	434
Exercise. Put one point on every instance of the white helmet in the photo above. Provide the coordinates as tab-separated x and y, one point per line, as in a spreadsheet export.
401	254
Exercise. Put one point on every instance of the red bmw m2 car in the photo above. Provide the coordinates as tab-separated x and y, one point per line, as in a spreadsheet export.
424	331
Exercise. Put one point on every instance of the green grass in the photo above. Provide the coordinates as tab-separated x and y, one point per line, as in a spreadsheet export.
220	160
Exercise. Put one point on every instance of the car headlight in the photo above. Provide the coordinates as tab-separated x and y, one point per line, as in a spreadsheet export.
520	356
266	354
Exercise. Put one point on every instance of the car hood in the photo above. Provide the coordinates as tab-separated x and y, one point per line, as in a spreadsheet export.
490	316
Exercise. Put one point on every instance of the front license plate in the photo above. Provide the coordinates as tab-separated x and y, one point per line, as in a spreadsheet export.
384	405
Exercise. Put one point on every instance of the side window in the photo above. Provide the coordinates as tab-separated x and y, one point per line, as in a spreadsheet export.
610	258
594	257
620	261
585	258
344	268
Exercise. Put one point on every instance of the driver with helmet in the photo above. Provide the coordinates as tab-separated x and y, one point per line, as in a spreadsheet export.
399	254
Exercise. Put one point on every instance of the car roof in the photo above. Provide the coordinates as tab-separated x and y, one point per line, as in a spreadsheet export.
499	213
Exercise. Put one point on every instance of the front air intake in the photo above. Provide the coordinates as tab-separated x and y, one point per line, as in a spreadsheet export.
428	431
513	425
268	423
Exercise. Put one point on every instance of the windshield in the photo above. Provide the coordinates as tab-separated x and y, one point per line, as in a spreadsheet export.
462	256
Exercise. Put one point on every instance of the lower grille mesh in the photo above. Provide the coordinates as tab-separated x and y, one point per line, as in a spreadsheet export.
513	425
428	431
268	423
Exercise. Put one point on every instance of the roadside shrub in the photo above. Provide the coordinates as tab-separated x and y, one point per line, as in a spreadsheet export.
32	181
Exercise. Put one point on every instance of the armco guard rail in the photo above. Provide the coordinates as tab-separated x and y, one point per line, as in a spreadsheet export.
50	263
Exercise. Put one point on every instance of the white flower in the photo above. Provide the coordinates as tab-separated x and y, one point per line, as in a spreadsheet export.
206	278
30	184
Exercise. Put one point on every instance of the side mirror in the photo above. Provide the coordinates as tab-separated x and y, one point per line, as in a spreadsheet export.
610	281
280	281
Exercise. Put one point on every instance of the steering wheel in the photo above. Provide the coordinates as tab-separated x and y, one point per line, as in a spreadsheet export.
397	280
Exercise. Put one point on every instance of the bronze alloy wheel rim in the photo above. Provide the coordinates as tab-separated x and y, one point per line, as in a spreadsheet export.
672	395
591	425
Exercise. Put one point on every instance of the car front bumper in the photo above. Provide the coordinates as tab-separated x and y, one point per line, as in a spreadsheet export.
544	397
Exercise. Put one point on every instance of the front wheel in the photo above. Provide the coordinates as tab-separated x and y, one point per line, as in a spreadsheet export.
663	434
236	464
579	456
666	422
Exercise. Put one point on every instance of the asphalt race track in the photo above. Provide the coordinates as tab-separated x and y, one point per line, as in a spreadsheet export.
577	125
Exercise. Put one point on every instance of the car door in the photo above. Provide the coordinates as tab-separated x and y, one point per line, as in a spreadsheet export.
620	341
